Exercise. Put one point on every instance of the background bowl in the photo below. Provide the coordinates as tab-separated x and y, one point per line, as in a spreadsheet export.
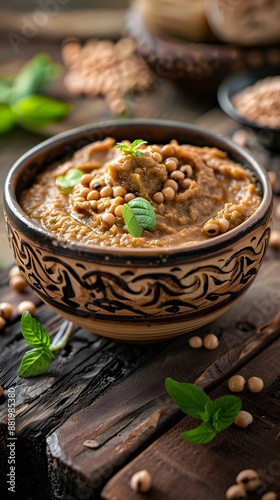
267	136
135	294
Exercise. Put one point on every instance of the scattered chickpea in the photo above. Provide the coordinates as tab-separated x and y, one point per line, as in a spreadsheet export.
274	240
18	283
211	227
6	310
141	481
272	177
128	197
195	342
255	384
168	150
86	179
106	191
157	157
107	220
249	478
26	305
270	495
236	383
1	390
14	271
277	211
93	195
119	191
171	183
211	341
236	491
243	419
2	323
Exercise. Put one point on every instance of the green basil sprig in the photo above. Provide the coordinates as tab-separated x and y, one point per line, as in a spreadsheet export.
133	148
37	360
67	182
20	99
138	215
216	415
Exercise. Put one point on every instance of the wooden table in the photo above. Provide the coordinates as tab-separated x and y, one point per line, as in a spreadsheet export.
113	394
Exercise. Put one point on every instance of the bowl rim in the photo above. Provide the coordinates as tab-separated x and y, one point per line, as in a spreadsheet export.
225	92
194	250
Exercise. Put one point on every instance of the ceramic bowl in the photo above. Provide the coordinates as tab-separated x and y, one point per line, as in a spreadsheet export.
267	136
136	295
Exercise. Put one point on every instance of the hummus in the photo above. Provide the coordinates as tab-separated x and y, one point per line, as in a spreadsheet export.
196	193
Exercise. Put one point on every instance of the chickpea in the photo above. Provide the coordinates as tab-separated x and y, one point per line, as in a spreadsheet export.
168	150
107	220
223	225
6	310
93	195
171	183
249	478
3	323
277	211
255	384
195	342
171	164
168	193
84	192
158	197
18	283
243	419
106	191
211	227
185	183
236	383
211	341
26	305
86	179
177	174
14	271
274	240
118	211
157	157
236	491
141	481
187	169
119	191
1	390
270	495
128	197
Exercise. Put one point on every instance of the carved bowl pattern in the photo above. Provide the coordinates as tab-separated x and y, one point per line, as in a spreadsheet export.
129	294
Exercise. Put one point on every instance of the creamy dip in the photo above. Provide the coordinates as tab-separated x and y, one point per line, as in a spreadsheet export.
196	192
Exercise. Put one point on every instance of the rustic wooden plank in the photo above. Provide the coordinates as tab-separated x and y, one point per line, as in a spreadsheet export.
183	470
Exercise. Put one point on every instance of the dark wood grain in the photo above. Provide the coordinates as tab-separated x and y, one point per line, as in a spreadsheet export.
183	470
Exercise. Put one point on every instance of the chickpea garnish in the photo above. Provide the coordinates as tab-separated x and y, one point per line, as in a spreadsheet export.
249	478
6	310
255	384
236	491
18	283
3	323
26	305
270	495
243	419
195	342
141	481
211	341
236	383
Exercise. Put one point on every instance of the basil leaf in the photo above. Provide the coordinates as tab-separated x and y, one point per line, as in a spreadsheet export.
119	145
191	399
35	362
131	222
69	180
34	75
200	435
224	411
8	118
33	332
144	213
132	148
38	110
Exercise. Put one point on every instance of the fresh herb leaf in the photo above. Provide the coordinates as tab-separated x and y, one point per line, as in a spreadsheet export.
216	415
35	362
204	433
131	222
132	149
35	75
33	332
225	410
189	397
39	111
8	118
138	215
68	181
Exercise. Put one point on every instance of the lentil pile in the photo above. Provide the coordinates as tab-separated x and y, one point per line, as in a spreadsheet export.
196	194
260	102
104	68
